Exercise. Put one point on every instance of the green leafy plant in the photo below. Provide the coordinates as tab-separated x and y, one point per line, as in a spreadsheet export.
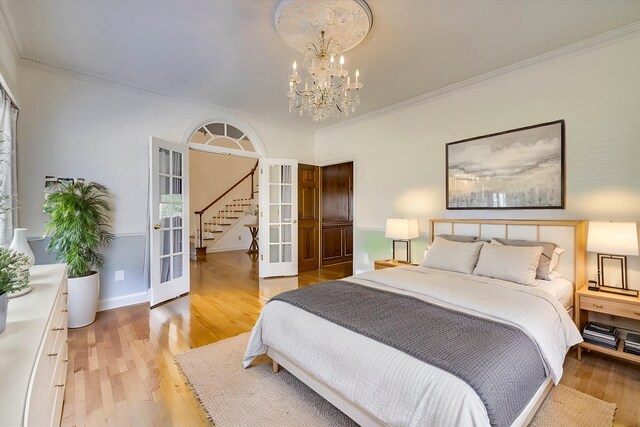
79	216
14	271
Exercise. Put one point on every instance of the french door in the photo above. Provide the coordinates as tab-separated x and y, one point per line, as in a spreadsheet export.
278	222
169	220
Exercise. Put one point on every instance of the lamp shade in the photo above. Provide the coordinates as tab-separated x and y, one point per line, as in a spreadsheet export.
401	228
613	238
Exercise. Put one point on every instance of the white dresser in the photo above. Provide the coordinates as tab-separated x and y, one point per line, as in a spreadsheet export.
33	351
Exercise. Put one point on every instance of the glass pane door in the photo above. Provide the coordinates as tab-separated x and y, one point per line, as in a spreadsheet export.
168	214
278	222
170	207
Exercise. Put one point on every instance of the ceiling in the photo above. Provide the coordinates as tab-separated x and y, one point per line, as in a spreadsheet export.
227	52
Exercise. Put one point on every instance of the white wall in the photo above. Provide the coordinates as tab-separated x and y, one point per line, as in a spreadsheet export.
75	128
71	127
8	60
400	160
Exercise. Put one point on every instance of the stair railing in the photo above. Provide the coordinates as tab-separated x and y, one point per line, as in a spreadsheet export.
200	213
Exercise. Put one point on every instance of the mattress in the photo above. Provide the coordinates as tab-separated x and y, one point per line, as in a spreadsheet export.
560	288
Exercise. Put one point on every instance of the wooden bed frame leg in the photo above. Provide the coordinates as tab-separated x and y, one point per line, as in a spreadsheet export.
274	366
579	352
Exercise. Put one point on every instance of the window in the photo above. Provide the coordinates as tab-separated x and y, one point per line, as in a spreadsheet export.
223	138
8	179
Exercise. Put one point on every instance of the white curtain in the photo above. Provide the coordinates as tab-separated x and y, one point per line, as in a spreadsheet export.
8	164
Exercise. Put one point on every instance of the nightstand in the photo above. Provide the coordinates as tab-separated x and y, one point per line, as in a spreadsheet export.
613	304
388	263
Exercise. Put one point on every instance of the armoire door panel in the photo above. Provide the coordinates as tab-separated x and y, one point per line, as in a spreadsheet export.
348	241
332	243
337	193
337	213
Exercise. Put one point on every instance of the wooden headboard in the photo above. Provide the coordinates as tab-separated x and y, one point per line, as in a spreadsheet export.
570	235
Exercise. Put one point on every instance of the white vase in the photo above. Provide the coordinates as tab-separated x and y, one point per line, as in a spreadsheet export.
20	244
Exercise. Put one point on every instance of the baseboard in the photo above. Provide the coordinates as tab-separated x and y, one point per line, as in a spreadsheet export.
123	301
227	249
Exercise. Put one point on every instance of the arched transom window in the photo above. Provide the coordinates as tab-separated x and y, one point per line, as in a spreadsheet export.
223	137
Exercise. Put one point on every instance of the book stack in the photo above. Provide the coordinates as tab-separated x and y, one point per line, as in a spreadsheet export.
599	334
632	344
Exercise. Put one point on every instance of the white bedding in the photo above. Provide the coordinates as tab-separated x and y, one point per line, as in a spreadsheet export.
398	389
560	288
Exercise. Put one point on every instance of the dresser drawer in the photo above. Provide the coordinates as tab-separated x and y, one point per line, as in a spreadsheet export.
44	402
40	403
615	308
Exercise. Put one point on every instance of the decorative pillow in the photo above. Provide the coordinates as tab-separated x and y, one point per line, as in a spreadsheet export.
542	272
512	263
452	256
555	259
453	238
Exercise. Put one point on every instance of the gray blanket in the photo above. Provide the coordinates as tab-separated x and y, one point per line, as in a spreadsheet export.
500	362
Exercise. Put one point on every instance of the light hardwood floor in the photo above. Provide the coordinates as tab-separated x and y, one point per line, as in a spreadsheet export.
121	369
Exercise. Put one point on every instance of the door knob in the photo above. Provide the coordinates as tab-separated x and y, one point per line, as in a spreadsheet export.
295	220
157	226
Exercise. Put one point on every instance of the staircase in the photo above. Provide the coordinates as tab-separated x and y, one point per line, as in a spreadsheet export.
218	217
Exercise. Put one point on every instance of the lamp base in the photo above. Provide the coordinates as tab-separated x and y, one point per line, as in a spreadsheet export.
622	260
619	291
408	244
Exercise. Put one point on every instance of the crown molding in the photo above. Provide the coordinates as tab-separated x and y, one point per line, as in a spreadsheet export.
52	68
7	28
565	51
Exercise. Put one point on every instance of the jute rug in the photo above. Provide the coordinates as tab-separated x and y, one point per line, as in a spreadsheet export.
232	396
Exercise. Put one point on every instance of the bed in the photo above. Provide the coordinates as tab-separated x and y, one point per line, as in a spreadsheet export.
377	384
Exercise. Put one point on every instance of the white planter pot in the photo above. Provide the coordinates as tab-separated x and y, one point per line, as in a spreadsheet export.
82	300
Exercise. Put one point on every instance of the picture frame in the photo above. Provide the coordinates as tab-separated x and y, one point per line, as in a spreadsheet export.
402	251
522	168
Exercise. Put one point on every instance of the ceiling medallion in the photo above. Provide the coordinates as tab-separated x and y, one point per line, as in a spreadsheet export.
322	30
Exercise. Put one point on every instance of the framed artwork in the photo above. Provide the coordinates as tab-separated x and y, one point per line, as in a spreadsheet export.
521	168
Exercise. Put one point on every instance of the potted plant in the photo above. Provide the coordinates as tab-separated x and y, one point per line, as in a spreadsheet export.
14	276
79	215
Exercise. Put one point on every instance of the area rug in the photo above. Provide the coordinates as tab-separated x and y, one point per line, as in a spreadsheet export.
232	396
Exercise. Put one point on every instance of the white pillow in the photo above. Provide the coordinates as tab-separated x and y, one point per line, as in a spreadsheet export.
554	275
452	256
513	263
555	258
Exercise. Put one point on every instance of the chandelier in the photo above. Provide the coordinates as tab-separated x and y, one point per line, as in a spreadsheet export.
328	91
338	25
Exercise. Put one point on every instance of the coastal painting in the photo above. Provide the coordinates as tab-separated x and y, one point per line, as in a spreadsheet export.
516	169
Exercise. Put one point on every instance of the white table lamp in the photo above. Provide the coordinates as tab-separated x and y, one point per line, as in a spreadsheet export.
613	241
402	230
